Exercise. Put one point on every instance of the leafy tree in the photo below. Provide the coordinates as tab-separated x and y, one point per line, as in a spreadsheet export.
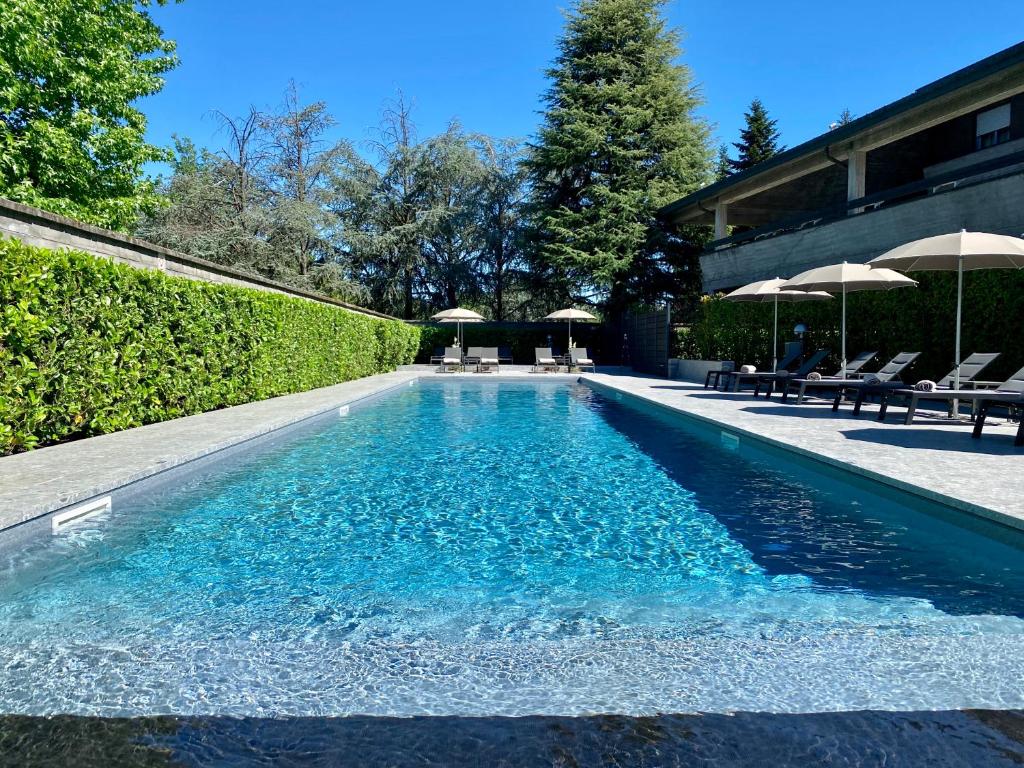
759	139
70	139
619	140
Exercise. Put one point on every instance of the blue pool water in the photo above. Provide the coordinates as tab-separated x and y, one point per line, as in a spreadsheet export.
503	548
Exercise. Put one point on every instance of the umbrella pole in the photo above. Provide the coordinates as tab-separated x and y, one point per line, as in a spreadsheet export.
959	309
775	337
843	346
956	350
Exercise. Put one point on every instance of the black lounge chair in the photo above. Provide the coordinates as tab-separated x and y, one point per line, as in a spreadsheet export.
731	373
853	366
888	374
1011	403
438	356
505	355
578	358
969	370
782	378
1008	392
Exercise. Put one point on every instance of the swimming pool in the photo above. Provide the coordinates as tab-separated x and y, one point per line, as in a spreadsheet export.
508	548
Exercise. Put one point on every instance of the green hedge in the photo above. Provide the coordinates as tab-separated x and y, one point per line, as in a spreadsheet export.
912	319
88	346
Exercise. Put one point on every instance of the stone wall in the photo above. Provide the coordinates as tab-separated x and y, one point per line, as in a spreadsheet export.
995	205
41	228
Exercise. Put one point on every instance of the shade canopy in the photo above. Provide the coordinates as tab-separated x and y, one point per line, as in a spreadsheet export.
974	250
570	314
765	291
847	278
958	252
844	278
458	314
768	291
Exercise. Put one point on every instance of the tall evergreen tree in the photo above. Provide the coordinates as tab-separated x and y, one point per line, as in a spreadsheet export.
759	140
723	164
619	140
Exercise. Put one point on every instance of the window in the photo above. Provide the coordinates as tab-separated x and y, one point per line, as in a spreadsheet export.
993	127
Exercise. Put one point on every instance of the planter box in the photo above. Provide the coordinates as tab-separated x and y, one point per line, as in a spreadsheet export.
693	370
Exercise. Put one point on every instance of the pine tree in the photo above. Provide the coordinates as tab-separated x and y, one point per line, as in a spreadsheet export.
619	140
723	164
759	140
845	117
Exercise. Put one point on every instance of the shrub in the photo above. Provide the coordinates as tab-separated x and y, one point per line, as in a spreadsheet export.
908	319
88	346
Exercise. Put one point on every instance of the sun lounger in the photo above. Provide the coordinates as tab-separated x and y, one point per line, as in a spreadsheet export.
472	357
969	370
438	356
452	359
488	359
505	355
791	359
782	378
544	360
578	358
890	372
853	366
1007	392
1012	402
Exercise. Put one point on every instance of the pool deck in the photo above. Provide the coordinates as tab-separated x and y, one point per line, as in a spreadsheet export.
932	458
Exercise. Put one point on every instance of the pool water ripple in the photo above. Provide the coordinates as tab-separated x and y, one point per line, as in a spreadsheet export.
505	548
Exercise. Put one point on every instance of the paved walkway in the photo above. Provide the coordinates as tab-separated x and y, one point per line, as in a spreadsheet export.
933	457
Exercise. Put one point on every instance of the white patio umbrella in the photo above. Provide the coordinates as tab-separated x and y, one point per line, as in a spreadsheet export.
460	316
570	314
764	291
847	278
959	252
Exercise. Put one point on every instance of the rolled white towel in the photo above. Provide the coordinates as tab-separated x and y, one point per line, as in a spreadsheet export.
488	361
814	376
585	361
452	361
748	369
545	361
871	379
925	385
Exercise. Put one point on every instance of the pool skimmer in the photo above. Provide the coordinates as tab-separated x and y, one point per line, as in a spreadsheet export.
62	520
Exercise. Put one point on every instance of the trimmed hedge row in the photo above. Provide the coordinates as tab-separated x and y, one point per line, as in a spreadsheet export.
907	319
88	346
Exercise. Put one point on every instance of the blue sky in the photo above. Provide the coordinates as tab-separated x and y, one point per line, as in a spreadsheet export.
483	62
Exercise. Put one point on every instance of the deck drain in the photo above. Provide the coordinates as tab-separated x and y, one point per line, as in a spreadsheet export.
82	512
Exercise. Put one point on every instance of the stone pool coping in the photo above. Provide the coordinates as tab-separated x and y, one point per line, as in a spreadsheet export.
932	458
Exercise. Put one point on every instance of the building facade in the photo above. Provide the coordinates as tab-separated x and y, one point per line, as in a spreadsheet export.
949	156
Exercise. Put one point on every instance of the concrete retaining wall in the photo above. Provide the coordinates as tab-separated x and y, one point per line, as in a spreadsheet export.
694	370
41	228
